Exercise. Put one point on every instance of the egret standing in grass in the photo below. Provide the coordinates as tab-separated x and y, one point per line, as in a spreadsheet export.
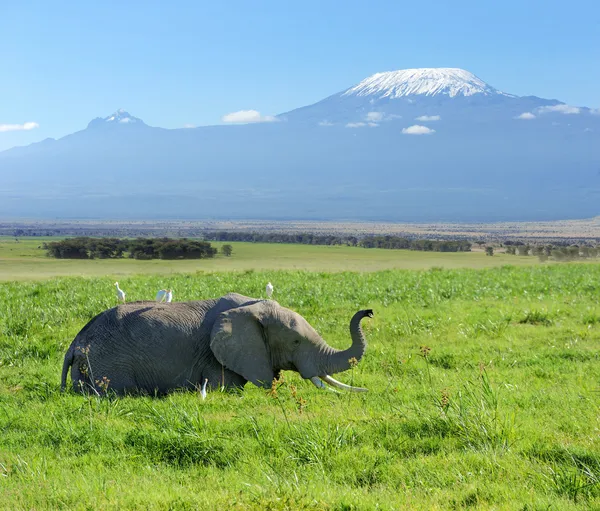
269	290
169	296
203	389
120	293
160	296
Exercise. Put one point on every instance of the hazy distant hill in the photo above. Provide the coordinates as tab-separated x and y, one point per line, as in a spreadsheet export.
411	145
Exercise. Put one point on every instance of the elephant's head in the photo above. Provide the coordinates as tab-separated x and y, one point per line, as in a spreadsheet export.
258	340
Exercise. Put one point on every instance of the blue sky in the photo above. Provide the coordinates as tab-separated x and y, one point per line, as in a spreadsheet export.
174	63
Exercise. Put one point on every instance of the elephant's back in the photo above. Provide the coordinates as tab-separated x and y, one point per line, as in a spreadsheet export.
133	322
185	317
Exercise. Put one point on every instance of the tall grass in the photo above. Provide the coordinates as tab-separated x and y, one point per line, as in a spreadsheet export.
483	394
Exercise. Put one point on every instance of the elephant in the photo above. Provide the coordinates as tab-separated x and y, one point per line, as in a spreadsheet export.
155	348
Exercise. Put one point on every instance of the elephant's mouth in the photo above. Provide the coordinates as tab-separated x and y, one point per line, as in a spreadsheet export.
288	366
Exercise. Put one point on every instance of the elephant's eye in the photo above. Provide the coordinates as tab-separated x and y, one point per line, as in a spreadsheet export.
296	342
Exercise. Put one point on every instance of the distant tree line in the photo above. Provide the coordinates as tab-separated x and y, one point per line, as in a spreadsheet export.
390	242
139	248
275	237
396	242
558	252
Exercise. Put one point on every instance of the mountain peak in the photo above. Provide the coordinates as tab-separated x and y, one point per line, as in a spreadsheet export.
122	117
426	81
118	117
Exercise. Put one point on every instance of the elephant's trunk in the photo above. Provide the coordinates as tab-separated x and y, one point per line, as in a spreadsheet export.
337	361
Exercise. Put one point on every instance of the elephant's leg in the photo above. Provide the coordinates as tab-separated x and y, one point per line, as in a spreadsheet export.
80	375
219	376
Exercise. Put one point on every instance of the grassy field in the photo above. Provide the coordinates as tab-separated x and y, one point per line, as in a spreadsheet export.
23	260
484	394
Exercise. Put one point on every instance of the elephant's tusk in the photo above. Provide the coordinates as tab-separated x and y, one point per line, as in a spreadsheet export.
320	385
340	385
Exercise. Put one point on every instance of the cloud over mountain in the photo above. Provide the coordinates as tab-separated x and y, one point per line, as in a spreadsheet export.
561	109
26	126
527	116
247	117
417	129
374	116
428	118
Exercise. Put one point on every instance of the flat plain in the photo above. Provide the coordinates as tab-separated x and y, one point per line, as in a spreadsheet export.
484	389
25	260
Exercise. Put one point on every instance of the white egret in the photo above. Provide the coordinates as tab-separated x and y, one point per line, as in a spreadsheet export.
169	296
120	293
269	290
203	389
160	296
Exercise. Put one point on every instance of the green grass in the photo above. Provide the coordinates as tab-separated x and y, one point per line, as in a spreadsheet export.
25	261
503	412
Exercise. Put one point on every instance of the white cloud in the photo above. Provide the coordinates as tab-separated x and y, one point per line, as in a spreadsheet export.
375	116
526	115
189	125
417	129
19	127
595	111
561	109
247	116
361	124
125	120
325	123
425	118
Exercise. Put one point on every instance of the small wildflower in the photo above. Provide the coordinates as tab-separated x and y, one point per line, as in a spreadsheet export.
445	400
353	362
275	384
85	350
103	383
301	402
425	351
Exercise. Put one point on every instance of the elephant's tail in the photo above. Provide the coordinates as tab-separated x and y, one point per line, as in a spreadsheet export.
69	356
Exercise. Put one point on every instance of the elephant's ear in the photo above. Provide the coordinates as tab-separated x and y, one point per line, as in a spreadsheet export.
238	342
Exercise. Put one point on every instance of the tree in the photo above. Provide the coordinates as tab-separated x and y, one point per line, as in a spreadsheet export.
226	250
537	250
489	251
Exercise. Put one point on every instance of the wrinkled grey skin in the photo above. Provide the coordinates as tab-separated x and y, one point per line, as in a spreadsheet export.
158	347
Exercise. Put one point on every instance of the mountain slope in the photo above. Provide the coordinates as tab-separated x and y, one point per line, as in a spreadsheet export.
413	145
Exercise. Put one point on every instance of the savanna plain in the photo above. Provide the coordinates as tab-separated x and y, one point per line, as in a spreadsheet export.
483	377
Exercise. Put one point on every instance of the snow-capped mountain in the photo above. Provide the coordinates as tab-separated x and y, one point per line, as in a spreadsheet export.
119	117
416	93
424	81
410	145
